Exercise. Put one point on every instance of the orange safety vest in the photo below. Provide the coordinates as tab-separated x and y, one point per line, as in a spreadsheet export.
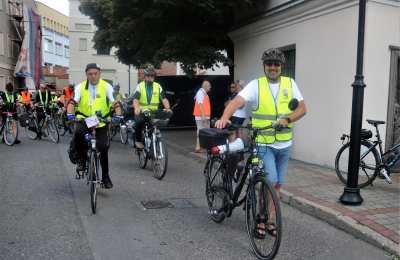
68	93
26	97
206	107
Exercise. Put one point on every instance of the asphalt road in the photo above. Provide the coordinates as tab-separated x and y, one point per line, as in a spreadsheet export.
45	214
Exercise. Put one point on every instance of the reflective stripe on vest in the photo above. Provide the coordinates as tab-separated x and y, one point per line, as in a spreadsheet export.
41	99
268	112
10	98
98	104
155	98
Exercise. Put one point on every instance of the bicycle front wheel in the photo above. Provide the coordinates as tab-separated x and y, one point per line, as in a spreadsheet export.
92	171
263	218
52	131
160	160
123	132
369	162
9	135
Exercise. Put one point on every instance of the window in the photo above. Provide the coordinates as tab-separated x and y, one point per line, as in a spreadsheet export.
48	45
59	49
103	50
2	43
66	51
83	26
289	69
1	4
82	44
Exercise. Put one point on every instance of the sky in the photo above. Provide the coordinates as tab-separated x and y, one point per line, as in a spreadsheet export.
59	5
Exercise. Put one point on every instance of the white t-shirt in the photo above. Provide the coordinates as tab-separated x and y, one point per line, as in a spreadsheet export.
199	98
92	92
250	95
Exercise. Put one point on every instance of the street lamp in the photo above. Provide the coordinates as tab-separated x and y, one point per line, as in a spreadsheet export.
351	194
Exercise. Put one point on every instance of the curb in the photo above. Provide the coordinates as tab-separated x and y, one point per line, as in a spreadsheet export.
326	214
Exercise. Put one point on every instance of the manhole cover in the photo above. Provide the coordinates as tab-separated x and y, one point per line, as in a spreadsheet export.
156	204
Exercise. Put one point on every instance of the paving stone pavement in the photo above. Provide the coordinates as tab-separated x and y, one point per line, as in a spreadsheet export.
316	190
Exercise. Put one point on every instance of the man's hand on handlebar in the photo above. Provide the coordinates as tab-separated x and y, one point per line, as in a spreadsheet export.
222	123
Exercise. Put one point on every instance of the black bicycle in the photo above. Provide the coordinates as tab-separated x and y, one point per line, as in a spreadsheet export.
227	189
154	146
36	128
373	162
93	160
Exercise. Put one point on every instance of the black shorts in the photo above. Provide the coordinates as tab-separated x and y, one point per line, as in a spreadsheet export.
237	120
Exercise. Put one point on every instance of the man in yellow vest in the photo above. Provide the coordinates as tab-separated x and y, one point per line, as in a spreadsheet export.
269	96
147	96
92	95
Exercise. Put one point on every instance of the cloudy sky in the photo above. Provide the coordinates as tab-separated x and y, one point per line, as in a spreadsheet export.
60	5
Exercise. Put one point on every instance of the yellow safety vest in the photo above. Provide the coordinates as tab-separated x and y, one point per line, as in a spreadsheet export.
155	98
269	112
100	102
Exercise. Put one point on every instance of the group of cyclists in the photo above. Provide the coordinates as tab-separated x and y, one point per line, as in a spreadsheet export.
268	97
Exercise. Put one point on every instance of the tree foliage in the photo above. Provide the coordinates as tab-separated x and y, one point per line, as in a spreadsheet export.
192	32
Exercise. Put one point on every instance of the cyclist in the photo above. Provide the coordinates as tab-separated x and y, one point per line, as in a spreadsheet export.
42	101
117	95
26	98
269	96
92	95
147	96
10	100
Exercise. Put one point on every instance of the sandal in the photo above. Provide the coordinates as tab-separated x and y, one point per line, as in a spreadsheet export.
259	230
271	229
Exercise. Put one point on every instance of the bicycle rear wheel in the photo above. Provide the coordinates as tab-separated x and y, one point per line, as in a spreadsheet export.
160	160
52	131
93	182
8	133
368	164
142	157
216	195
263	212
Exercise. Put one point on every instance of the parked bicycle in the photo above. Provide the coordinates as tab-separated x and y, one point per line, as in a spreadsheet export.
41	126
226	190
154	146
9	128
373	162
91	171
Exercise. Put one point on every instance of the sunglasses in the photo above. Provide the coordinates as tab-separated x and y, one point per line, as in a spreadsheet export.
273	63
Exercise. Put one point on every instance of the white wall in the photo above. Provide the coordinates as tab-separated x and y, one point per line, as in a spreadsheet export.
111	68
53	58
326	42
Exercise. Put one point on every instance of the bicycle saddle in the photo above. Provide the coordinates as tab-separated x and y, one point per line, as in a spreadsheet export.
375	122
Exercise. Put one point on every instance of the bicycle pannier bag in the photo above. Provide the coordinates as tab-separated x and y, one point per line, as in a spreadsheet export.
365	134
210	137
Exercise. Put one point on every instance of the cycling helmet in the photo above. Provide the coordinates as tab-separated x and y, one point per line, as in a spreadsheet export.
149	71
273	55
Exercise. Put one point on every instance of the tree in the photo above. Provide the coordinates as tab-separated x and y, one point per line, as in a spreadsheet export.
193	32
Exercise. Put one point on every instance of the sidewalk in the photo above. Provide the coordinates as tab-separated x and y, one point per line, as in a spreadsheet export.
316	190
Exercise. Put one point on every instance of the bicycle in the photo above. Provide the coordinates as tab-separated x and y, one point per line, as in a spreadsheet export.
93	159
6	128
373	161
154	147
59	114
46	126
222	197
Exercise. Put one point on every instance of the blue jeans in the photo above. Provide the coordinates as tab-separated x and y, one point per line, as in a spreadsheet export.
275	163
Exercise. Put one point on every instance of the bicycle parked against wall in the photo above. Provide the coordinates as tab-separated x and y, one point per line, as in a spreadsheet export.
251	186
154	146
373	161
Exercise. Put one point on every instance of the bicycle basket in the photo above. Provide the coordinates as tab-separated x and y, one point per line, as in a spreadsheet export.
365	134
210	137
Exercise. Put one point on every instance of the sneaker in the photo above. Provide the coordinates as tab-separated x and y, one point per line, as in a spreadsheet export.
139	145
107	183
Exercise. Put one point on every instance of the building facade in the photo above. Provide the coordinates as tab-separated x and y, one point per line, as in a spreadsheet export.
320	41
10	41
82	52
55	45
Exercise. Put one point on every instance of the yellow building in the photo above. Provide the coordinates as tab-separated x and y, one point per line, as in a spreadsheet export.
52	19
